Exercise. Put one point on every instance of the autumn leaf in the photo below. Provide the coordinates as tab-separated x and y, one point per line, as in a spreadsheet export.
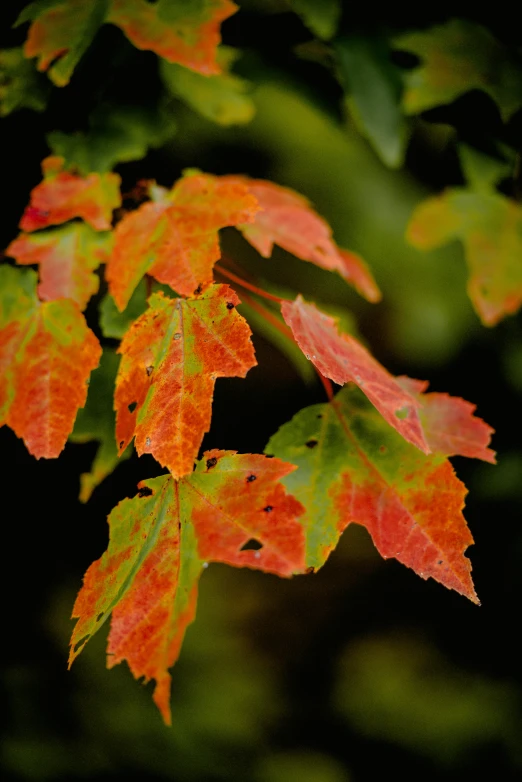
67	257
286	218
96	421
61	32
47	353
180	32
64	195
222	98
174	238
171	357
231	509
449	423
490	227
321	16
343	359
457	57
354	468
20	85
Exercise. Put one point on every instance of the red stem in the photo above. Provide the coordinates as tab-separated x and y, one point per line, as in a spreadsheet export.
248	285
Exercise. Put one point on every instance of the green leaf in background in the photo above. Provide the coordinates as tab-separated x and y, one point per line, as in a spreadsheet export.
117	134
60	33
321	16
374	90
223	98
481	171
114	323
96	421
457	57
20	85
490	227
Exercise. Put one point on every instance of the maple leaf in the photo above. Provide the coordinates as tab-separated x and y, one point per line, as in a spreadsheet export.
490	226
20	85
180	32
354	468
449	423
287	219
222	98
321	16
96	421
343	359
60	33
63	195
67	257
457	57
46	355
175	237
171	357
231	509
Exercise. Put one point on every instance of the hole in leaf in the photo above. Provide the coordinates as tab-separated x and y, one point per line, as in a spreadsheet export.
230	306
149	370
309	570
198	290
100	617
81	642
122	443
311	443
251	478
211	463
132	407
144	491
251	545
320	415
268	509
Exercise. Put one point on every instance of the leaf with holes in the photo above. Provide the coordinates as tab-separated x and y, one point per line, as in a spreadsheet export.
67	257
171	357
64	195
286	218
47	353
354	468
490	227
343	359
61	32
231	509
175	237
181	32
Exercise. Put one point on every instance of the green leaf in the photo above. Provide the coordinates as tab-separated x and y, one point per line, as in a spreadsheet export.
60	33
20	85
374	94
321	16
114	323
481	171
97	421
223	98
117	134
457	57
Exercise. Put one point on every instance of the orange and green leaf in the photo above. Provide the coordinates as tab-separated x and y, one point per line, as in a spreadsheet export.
176	31
490	227
286	218
47	353
175	237
343	359
67	257
161	540
171	357
354	468
64	195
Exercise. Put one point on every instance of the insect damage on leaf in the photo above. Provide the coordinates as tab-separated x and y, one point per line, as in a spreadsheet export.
159	544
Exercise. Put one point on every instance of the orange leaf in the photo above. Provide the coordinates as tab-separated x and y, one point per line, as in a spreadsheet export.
175	238
67	257
189	37
161	540
287	219
341	358
63	195
47	353
171	357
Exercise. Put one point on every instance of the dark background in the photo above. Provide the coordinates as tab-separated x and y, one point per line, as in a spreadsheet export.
362	668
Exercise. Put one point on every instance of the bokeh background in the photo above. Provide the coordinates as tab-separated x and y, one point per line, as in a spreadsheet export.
362	668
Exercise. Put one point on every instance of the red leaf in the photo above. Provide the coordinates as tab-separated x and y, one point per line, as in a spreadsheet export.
449	424
175	239
287	219
189	37
159	544
63	195
67	257
47	353
341	358
171	357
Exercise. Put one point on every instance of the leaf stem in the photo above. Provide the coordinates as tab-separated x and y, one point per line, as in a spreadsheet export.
248	285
